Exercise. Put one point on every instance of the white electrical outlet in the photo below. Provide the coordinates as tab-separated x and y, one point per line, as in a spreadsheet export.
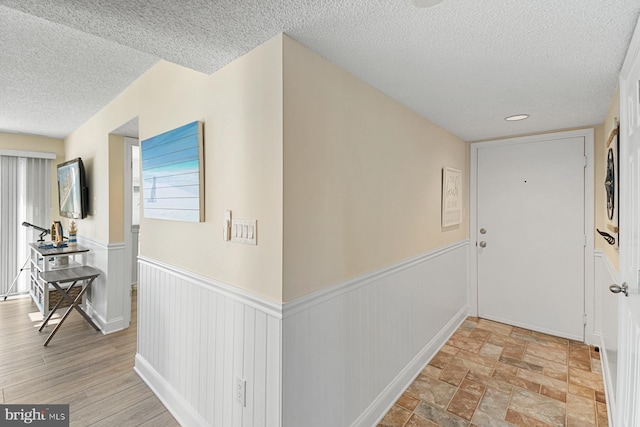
240	391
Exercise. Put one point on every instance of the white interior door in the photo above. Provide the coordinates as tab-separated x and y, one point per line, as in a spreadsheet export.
531	234
627	401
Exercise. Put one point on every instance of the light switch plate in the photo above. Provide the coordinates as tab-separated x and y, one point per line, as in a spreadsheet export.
244	231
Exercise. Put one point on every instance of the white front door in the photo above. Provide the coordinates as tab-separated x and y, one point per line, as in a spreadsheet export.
531	233
627	401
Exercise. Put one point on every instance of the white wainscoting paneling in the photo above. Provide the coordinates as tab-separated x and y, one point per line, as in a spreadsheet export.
351	350
607	325
196	336
338	357
109	299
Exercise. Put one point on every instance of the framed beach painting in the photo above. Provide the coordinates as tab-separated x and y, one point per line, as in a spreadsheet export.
172	174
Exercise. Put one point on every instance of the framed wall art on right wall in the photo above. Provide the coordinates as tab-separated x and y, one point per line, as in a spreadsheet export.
612	182
451	197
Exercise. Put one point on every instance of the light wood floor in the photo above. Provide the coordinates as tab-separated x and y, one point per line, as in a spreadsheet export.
91	372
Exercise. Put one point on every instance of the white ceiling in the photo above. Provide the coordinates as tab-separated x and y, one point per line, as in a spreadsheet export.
464	64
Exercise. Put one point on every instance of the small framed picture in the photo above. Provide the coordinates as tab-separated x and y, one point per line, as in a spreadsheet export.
451	197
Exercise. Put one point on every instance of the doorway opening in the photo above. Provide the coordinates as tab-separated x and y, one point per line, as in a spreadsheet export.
131	204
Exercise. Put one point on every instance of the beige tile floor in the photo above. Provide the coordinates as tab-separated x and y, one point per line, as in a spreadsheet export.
491	374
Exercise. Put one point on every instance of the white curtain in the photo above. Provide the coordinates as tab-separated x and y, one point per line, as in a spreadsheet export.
25	196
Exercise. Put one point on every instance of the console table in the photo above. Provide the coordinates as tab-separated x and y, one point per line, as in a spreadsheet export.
44	259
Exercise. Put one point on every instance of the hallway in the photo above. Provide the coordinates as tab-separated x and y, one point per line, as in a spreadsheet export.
492	374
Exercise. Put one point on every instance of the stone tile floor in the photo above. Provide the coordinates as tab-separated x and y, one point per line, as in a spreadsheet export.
491	374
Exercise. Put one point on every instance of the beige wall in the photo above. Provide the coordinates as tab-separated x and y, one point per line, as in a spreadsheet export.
289	138
241	106
362	176
91	142
9	141
601	137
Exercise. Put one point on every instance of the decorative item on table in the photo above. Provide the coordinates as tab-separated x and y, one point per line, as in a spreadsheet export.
73	239
57	236
43	231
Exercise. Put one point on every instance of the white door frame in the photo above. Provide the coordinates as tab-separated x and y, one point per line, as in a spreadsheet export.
128	243
589	294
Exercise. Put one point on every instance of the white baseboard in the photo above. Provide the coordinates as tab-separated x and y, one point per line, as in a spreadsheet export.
184	413
394	390
608	385
106	328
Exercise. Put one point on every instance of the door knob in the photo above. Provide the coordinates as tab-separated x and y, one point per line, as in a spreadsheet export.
483	231
483	244
618	289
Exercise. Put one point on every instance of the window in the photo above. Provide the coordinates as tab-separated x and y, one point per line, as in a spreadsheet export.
25	196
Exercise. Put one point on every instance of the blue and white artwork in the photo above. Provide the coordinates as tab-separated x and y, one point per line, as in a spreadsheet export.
172	174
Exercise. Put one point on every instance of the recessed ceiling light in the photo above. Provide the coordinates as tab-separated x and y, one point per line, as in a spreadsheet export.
516	117
426	3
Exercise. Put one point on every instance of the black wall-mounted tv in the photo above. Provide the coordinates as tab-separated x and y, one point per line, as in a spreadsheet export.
73	194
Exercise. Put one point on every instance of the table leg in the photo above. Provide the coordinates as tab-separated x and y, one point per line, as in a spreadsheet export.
74	304
66	313
80	310
53	310
49	316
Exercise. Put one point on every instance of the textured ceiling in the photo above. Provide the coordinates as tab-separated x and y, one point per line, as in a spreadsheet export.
464	64
53	78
